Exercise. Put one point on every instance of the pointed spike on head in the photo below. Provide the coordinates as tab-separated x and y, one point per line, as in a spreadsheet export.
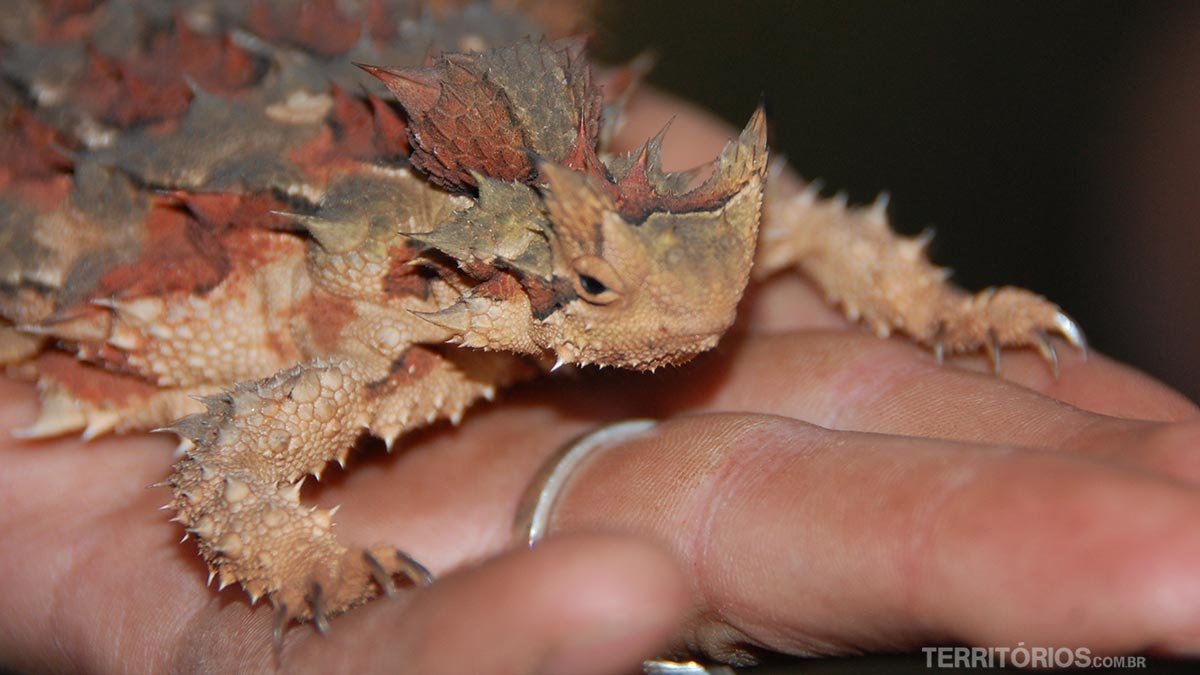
574	45
652	149
755	133
417	89
583	153
741	159
576	204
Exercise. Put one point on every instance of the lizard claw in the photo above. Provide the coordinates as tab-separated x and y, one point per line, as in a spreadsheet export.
385	563
993	351
380	574
939	344
282	617
1067	327
1048	352
317	605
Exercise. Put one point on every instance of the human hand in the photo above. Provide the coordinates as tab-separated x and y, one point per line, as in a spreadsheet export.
975	510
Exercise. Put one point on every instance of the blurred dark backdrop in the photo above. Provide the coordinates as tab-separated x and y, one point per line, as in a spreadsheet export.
1051	145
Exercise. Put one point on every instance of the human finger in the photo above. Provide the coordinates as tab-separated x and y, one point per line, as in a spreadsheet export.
807	540
579	605
855	382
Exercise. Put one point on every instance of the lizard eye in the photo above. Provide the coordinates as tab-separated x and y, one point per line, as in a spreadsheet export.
596	281
591	285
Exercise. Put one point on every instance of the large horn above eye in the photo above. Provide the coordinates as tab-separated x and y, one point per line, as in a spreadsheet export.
578	205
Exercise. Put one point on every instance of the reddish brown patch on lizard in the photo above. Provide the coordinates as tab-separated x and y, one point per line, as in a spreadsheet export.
501	286
149	85
250	248
321	156
129	92
29	148
64	20
90	383
403	279
543	297
471	128
319	26
367	129
636	198
416	363
178	255
412	366
219	210
391	131
215	62
44	195
327	315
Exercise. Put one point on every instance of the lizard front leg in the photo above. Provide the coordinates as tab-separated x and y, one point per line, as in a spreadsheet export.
238	490
887	281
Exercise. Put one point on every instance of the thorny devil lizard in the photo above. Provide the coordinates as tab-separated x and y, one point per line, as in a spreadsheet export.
212	222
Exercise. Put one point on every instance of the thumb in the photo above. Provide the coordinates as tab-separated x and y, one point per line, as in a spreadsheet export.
581	604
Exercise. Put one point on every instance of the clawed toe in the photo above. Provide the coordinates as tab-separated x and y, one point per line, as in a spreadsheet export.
282	618
1048	352
316	604
1066	326
992	346
381	576
351	586
386	562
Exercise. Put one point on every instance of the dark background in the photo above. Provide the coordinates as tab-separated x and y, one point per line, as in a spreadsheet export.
1051	145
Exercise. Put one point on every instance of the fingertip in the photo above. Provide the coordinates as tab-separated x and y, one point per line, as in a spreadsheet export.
581	604
1112	388
626	611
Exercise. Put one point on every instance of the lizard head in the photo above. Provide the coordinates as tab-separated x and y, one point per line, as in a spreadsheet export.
654	271
615	263
625	266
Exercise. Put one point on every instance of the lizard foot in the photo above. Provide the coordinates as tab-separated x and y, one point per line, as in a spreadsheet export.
996	318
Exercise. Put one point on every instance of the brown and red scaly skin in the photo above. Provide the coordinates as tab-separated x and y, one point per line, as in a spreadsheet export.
211	221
